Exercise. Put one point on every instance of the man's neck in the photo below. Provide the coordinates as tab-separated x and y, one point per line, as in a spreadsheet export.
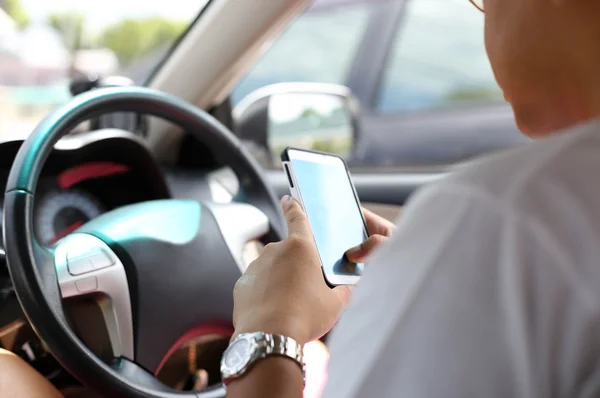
575	101
565	88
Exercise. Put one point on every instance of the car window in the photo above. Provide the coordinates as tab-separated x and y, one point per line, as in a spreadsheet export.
438	60
319	46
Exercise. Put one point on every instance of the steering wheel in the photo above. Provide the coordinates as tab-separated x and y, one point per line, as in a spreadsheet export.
158	269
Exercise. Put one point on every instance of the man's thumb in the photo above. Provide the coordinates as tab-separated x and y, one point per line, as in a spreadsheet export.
359	253
296	217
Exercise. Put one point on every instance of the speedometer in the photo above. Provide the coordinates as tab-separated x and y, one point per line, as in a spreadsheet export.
61	212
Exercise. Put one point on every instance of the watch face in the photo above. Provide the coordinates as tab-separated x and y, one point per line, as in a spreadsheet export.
238	355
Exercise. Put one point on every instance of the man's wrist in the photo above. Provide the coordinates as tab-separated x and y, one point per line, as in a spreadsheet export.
277	376
291	329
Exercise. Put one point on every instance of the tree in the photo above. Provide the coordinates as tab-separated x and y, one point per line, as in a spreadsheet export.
131	39
70	27
473	94
15	9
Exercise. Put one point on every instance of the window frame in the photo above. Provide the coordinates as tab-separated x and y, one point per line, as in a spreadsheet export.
370	62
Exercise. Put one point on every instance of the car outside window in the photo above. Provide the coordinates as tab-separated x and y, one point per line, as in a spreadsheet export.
438	60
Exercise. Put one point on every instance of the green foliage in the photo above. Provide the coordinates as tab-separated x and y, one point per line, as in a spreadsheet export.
131	39
473	94
310	113
337	146
15	9
340	147
71	28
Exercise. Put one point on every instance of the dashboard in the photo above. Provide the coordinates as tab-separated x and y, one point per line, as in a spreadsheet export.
86	176
66	201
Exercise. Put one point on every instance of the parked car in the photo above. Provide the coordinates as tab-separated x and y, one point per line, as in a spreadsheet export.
418	68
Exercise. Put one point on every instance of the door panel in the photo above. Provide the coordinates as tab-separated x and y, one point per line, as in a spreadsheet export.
435	137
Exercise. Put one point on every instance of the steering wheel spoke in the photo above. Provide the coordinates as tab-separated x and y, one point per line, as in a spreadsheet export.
239	223
85	265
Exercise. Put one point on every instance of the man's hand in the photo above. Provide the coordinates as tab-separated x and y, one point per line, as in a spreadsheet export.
283	291
380	231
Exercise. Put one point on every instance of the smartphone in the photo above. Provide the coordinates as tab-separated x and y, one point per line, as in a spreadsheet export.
321	183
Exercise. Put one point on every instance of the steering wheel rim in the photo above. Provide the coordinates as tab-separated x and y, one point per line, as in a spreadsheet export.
32	266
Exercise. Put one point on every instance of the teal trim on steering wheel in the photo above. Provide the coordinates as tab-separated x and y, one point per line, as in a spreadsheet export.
62	120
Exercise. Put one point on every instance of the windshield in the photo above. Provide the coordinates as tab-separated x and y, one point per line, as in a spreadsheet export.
44	44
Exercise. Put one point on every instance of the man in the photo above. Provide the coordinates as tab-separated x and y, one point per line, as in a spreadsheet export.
490	285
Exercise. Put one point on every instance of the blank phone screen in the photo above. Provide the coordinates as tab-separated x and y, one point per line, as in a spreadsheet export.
333	212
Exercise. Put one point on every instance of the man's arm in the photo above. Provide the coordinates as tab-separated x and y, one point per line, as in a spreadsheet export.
283	292
271	377
19	380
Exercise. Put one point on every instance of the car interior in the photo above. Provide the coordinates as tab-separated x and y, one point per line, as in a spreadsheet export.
132	207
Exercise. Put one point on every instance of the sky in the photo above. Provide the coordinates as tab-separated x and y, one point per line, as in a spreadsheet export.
100	13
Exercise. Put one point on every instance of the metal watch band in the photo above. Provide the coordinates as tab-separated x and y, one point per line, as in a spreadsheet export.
263	345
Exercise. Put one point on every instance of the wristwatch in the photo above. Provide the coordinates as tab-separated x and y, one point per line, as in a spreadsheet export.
248	348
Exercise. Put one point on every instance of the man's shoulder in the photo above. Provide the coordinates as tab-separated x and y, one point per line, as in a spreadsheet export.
550	186
515	176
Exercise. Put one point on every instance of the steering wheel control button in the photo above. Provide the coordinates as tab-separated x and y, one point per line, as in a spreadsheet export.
79	266
68	289
88	262
100	259
87	285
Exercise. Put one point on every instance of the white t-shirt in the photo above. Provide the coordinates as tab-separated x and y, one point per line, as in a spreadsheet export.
490	287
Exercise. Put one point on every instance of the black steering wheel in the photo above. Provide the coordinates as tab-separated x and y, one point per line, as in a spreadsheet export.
159	269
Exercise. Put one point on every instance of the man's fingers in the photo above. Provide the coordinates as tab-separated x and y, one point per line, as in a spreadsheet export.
296	218
378	225
359	253
201	379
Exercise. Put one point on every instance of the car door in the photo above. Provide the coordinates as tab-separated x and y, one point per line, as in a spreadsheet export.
427	93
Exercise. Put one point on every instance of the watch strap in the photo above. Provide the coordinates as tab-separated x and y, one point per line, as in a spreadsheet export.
264	345
285	346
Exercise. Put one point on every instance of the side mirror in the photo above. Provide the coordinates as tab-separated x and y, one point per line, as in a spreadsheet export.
315	116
